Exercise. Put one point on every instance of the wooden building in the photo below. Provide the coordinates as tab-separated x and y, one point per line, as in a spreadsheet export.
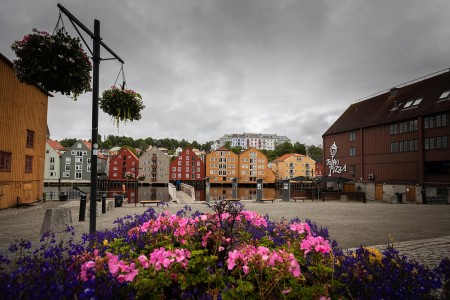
154	165
395	142
125	161
293	165
253	165
23	130
188	168
222	165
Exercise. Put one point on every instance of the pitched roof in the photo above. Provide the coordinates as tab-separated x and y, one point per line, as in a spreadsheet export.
380	110
222	149
286	156
55	145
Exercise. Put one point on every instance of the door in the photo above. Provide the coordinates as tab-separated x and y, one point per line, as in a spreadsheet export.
379	192
411	194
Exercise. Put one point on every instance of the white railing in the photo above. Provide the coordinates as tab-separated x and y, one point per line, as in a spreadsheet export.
172	191
188	190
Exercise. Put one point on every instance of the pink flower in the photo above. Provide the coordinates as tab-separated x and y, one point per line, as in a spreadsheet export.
143	261
319	244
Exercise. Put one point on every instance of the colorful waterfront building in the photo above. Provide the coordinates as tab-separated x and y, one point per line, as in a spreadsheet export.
222	165
187	166
293	165
253	165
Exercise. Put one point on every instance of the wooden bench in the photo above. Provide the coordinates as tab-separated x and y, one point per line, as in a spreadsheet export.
268	199
232	199
149	202
300	198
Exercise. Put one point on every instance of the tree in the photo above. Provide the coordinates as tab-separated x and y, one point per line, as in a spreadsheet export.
283	148
299	148
227	144
315	152
67	142
237	149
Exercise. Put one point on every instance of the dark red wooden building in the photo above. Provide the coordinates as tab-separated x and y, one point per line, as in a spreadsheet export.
396	141
188	168
124	161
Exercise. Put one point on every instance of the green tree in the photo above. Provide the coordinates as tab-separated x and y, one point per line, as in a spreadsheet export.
316	153
283	148
67	142
227	145
299	148
237	149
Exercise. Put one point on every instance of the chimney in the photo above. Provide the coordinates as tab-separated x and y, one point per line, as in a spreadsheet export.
393	92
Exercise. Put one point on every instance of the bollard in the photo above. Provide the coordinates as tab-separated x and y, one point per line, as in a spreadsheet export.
82	207
286	194
259	189
103	204
207	187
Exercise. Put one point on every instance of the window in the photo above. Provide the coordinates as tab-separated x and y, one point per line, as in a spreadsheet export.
441	142
413	145
28	164
30	139
352	151
413	125
429	122
444	95
393	129
52	159
413	103
394	147
429	143
52	167
352	136
78	175
441	120
5	162
67	168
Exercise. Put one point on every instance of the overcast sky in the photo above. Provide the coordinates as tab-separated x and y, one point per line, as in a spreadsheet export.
206	68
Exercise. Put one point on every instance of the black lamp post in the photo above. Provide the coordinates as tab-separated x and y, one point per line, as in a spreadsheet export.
95	83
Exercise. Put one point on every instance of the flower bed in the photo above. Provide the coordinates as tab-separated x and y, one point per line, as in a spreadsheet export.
229	253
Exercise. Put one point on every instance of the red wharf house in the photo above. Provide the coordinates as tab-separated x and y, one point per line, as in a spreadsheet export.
396	142
124	161
187	166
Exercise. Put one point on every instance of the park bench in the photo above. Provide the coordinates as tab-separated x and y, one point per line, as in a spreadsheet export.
232	199
268	199
300	198
150	202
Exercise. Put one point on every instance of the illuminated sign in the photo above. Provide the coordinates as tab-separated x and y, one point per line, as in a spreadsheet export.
333	163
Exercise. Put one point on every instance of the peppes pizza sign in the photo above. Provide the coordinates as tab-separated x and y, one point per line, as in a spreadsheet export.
333	163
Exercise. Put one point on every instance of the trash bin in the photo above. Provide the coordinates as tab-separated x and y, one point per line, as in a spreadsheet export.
82	213
63	197
118	200
399	197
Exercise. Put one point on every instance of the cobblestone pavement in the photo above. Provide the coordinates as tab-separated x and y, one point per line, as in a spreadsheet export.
421	232
427	251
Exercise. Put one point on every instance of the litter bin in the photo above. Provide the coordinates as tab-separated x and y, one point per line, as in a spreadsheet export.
82	213
118	200
63	197
399	197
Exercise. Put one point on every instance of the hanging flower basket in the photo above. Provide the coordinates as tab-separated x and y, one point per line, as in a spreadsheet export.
55	63
121	104
129	175
141	177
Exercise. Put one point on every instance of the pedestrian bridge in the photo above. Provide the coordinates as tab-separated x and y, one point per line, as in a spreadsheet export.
186	194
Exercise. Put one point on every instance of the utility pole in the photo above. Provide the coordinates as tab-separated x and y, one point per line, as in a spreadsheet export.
95	92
